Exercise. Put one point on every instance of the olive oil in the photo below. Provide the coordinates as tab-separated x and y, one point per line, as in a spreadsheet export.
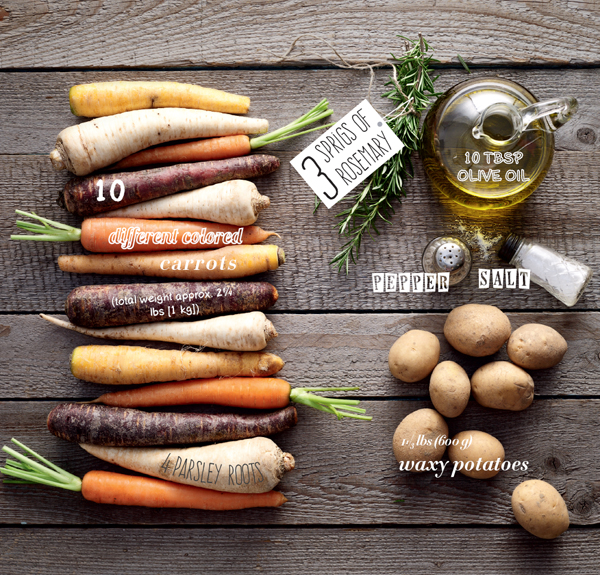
488	143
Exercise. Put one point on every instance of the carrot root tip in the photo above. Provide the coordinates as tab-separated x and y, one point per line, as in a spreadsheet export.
270	331
289	462
261	203
57	161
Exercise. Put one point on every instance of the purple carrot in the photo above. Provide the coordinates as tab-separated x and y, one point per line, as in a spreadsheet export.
125	304
120	427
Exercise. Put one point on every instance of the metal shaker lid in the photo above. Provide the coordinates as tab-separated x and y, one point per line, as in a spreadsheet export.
448	254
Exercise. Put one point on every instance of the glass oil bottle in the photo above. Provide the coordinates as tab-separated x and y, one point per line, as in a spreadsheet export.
488	143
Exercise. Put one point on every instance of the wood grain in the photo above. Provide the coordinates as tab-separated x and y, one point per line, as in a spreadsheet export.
320	350
346	473
233	33
35	105
341	517
344	551
560	214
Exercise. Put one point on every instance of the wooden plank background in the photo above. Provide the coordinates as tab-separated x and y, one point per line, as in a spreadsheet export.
342	516
232	33
357	551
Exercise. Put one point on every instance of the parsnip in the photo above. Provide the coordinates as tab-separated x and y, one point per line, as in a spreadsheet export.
241	332
87	147
253	465
236	202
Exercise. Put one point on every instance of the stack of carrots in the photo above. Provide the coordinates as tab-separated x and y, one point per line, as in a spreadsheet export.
127	212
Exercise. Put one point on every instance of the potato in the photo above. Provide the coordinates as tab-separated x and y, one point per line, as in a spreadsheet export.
414	355
540	509
502	385
449	388
420	437
477	330
472	446
536	346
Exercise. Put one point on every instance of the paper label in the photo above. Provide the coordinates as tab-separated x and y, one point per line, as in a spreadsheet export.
347	153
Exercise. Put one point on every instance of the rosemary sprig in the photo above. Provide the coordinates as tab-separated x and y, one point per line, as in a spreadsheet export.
411	91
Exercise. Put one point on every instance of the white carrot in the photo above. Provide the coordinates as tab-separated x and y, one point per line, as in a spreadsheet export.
92	145
241	332
253	465
236	202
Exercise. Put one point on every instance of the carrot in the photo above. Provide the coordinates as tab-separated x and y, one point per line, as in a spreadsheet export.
126	235
253	465
196	151
111	305
224	263
236	202
240	332
90	146
81	196
224	147
119	489
249	392
120	427
108	98
128	365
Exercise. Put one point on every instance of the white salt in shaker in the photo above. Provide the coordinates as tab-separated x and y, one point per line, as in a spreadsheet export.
560	275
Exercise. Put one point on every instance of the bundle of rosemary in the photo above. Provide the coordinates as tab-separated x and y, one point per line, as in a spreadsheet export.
411	91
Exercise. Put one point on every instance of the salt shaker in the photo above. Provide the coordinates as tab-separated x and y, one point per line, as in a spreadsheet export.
560	275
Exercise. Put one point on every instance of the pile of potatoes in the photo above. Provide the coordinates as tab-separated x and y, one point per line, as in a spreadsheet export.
479	331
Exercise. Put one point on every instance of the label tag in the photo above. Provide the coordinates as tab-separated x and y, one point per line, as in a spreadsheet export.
347	153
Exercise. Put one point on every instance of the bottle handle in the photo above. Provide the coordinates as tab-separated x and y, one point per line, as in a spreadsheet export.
556	112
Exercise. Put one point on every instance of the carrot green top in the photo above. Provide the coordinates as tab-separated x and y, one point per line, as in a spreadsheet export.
28	471
319	112
338	407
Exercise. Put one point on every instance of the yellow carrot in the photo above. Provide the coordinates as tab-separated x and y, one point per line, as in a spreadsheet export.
128	365
224	263
108	98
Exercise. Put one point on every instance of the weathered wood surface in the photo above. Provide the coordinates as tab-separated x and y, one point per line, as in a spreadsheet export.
320	350
233	33
346	472
35	105
273	551
560	214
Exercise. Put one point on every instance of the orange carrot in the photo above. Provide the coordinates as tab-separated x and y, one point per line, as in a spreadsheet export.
250	392
119	489
199	151
125	235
